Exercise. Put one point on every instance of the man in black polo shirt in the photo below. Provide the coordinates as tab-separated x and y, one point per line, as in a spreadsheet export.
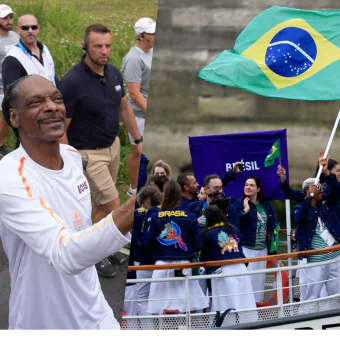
94	97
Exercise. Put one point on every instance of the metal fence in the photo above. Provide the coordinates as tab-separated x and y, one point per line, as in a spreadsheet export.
211	320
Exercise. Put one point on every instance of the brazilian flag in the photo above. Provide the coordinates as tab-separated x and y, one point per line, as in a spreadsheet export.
274	152
285	53
275	238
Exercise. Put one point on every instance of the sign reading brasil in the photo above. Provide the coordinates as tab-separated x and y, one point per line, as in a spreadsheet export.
261	153
286	53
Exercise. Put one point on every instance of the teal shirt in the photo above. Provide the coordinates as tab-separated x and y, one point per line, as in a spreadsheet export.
319	243
261	230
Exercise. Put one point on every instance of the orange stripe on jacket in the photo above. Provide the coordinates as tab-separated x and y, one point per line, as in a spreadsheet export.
42	203
78	235
51	212
23	178
72	150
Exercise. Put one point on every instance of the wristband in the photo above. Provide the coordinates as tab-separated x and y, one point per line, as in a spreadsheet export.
140	140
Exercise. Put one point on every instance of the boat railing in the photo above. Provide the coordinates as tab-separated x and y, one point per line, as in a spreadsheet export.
281	308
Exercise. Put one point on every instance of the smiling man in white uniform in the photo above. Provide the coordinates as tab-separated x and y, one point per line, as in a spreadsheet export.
45	219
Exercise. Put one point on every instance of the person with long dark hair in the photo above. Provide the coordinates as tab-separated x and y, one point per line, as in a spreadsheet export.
221	241
148	198
172	237
256	221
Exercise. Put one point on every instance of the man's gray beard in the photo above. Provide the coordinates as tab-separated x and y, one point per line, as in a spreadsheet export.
31	43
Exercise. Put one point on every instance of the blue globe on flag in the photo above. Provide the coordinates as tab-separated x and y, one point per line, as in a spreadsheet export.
291	52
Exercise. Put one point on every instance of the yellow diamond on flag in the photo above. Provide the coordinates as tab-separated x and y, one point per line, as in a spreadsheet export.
283	53
274	148
327	53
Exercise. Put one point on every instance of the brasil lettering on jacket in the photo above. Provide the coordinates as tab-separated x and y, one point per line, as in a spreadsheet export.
172	213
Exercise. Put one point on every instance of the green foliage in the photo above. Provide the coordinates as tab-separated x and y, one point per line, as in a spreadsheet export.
62	26
123	175
10	140
123	135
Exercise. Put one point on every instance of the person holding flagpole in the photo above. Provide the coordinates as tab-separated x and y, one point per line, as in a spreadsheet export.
296	195
318	227
256	218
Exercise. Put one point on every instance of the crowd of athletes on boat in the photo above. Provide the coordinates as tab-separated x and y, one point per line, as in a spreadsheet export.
175	222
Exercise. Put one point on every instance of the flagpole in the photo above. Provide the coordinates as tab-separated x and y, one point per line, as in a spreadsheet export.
289	249
327	148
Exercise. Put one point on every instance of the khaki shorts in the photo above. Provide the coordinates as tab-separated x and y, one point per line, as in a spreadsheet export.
102	171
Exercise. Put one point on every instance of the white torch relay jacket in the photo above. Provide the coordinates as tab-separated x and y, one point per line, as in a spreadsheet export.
51	244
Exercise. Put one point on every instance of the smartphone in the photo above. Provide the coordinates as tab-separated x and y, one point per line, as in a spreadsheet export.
240	167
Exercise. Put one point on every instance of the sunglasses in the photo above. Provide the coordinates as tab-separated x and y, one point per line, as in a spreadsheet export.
27	27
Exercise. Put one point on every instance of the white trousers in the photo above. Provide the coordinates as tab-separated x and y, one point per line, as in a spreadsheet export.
301	274
320	273
172	295
130	307
257	281
232	285
142	291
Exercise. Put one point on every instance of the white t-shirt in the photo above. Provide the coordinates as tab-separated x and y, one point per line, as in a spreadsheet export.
47	234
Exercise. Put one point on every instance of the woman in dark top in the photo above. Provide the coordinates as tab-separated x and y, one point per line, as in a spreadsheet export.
256	222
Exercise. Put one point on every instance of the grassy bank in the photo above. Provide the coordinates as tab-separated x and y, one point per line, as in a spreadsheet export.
63	24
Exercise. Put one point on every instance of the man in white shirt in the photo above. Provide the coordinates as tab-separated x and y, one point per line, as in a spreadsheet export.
45	219
29	56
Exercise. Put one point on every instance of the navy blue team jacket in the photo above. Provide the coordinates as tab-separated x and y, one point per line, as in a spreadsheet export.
172	235
220	244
